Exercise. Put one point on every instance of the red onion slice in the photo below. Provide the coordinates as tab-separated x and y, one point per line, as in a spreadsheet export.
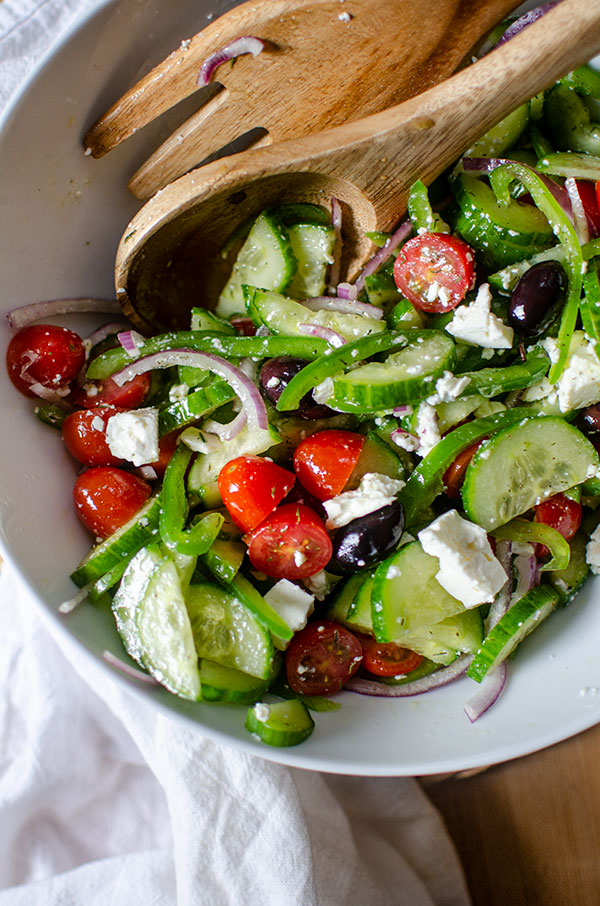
347	291
348	306
381	256
130	340
127	669
580	219
37	311
501	602
74	602
229	430
242	45
248	393
487	694
417	687
325	333
113	327
526	19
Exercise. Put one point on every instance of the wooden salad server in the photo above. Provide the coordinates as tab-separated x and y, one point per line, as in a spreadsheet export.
169	257
323	63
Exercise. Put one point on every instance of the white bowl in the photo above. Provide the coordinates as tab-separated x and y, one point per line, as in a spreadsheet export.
61	217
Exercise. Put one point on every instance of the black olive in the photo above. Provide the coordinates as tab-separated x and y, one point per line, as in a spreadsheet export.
536	298
276	374
367	539
588	422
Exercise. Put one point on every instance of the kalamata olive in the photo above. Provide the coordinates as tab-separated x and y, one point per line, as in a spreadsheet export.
536	298
276	374
588	422
367	539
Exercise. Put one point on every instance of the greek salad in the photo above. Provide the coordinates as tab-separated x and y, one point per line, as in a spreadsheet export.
378	486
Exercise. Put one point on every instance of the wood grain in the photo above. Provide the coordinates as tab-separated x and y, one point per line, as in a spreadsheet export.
528	831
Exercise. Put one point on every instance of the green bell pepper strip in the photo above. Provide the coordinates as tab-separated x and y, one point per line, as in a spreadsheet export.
490	382
584	80
50	414
197	404
537	532
569	122
198	538
570	163
590	306
114	360
337	360
420	210
500	180
427	480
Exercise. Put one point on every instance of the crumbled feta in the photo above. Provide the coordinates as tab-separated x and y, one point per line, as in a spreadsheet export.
178	392
592	551
273	382
262	712
476	324
319	585
448	388
374	492
408	442
469	571
97	423
579	383
427	429
323	391
292	603
134	435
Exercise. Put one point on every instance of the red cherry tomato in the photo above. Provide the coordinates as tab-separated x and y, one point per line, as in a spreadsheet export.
588	193
166	448
455	473
84	434
46	355
387	658
598	194
106	498
292	543
435	271
107	393
561	513
251	487
325	461
321	658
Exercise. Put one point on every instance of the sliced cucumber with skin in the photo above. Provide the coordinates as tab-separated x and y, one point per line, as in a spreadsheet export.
165	633
359	613
226	632
341	603
224	559
312	245
375	456
404	377
131	590
407	598
226	684
283	315
195	405
282	723
568	581
517	623
501	234
121	545
201	319
266	259
523	464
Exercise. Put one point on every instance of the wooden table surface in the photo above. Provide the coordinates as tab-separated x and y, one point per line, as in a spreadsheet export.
528	831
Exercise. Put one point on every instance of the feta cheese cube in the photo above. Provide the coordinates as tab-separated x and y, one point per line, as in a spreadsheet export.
476	324
592	551
448	388
579	384
469	571
374	491
292	603
134	435
427	429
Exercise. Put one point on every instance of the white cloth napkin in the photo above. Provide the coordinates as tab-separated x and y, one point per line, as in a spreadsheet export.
103	802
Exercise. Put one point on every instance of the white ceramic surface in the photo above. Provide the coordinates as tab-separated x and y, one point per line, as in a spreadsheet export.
61	215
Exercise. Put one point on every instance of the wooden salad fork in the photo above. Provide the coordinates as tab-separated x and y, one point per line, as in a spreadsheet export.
323	63
169	257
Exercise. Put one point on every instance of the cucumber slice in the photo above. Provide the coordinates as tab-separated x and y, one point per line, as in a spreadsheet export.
226	684
303	212
283	315
226	632
165	633
502	234
205	469
568	581
407	598
404	377
196	405
121	545
358	616
201	319
522	465
224	559
265	259
517	623
312	246
281	724
340	605
131	589
375	456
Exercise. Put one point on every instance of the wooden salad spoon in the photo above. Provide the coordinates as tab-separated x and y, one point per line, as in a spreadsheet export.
169	257
324	62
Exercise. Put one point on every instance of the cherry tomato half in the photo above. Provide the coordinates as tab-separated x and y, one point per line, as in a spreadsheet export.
321	658
166	448
435	271
106	498
251	487
107	393
387	658
561	513
325	461
292	543
84	434
455	473
46	355
588	194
